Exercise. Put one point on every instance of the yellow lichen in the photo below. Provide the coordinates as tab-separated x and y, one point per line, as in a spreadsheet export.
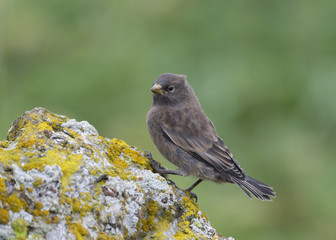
85	209
68	200
78	230
76	205
3	190
38	212
104	236
54	219
14	202
149	224
191	211
29	143
72	133
38	206
4	216
68	162
38	182
4	144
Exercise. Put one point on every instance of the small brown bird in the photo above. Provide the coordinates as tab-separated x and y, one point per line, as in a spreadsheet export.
186	137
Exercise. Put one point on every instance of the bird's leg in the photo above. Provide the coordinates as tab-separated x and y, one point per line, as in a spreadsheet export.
189	189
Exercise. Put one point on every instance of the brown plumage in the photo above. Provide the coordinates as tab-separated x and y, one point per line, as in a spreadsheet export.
186	137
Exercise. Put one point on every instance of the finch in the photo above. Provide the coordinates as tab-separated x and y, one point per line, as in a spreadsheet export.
185	136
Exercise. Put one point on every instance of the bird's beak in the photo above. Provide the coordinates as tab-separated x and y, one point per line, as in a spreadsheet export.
157	89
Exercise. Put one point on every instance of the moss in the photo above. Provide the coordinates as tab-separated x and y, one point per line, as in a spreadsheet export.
4	216
20	228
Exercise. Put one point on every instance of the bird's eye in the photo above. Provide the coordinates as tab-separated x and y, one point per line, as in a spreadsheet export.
171	88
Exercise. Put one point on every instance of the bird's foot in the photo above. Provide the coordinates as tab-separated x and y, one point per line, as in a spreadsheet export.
163	171
156	166
193	195
102	178
171	182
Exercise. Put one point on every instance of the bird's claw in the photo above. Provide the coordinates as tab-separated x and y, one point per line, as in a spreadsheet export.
148	155
102	178
156	166
171	182
159	169
193	195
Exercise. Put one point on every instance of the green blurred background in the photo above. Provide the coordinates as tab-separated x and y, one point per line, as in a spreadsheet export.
264	71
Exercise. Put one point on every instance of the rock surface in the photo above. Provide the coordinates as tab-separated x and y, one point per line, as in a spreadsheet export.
60	180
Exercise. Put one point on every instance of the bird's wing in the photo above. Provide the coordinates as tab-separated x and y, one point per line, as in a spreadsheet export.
204	144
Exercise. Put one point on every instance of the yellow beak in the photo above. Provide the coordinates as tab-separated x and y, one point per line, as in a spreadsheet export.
157	89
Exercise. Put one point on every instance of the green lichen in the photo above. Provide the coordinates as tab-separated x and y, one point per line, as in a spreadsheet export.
19	227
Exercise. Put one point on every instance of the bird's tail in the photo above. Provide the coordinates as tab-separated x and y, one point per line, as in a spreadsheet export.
259	189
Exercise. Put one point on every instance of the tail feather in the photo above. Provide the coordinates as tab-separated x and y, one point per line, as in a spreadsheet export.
259	189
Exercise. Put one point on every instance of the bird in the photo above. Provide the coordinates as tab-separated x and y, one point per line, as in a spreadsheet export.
186	137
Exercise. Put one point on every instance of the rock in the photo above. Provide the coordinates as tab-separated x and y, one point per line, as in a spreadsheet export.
60	180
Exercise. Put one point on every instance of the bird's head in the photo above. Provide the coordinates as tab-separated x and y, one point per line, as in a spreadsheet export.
171	89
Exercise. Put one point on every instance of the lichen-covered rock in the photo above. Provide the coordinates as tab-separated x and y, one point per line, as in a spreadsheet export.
51	187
